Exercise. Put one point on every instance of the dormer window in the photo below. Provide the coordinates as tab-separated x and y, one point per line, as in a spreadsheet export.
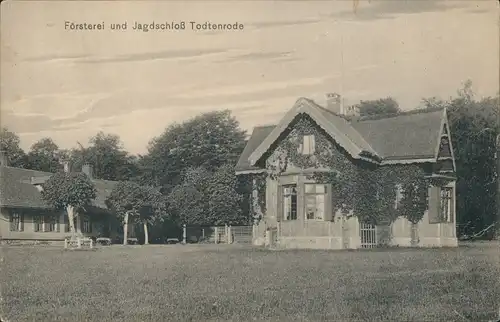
308	145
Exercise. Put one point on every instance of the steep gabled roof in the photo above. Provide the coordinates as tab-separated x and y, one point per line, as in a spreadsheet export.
258	135
411	135
408	137
17	189
337	127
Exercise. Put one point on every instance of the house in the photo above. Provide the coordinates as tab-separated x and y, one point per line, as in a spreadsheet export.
298	209
25	216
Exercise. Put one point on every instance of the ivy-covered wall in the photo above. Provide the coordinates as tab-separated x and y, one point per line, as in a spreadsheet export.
360	188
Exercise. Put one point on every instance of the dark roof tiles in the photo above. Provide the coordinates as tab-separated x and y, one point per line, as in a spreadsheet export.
17	189
407	135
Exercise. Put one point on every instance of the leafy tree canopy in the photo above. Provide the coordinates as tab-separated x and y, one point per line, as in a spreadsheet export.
208	198
44	155
68	189
209	141
9	142
110	161
376	107
144	203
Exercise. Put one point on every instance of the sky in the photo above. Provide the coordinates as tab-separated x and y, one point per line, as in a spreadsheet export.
71	84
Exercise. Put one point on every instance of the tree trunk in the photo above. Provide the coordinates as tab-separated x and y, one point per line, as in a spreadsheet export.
125	229
71	220
414	235
146	235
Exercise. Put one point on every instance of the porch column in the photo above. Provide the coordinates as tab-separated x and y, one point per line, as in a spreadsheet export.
300	199
62	222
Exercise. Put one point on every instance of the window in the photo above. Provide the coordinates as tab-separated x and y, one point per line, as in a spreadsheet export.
290	202
37	223
446	206
399	196
50	223
87	225
16	222
315	197
308	145
46	223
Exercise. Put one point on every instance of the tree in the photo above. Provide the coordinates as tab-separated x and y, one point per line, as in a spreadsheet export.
70	191
208	198
131	201
105	152
376	107
188	201
225	203
208	140
44	155
9	142
474	126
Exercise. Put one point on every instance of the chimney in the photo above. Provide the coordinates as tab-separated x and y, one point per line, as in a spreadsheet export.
4	160
88	170
351	111
333	103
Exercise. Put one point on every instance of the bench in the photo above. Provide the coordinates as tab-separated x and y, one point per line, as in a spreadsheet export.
104	241
132	241
79	242
172	240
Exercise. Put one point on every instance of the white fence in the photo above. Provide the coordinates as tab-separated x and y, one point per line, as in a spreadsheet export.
368	234
219	234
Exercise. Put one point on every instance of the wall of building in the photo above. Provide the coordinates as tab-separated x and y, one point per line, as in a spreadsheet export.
341	232
29	232
427	234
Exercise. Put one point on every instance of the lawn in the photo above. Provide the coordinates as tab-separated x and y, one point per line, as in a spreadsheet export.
221	282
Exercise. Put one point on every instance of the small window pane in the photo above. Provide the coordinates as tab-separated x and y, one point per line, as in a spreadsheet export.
308	143
320	189
310	188
320	207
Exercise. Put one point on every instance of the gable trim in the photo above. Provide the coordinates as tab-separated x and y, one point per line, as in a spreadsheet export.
444	123
257	171
408	161
303	106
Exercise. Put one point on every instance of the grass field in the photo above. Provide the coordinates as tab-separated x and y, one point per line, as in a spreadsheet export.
220	282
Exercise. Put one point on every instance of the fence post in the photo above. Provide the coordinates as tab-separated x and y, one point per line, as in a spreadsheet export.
184	233
203	233
65	243
79	242
229	235
91	244
216	235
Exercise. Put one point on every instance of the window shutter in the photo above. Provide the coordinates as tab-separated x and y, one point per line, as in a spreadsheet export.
280	203
57	223
452	206
305	144
328	203
312	144
434	205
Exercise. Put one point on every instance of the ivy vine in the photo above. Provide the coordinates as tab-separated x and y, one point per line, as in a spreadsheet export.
359	188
